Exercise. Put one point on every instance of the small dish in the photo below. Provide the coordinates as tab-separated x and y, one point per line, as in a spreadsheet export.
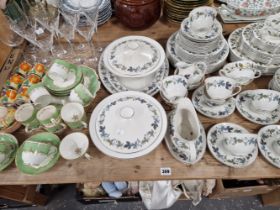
215	144
244	106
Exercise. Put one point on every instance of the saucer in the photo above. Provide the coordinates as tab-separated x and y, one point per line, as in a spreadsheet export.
215	145
113	85
180	154
243	101
221	111
265	140
174	58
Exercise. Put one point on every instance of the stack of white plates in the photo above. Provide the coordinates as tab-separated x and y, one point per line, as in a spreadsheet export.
104	10
190	46
133	63
128	125
258	42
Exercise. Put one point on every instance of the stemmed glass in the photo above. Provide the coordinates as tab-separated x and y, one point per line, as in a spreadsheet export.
8	36
87	25
65	27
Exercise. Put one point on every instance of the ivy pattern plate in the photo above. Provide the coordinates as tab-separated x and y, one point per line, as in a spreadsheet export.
266	137
215	145
222	111
243	105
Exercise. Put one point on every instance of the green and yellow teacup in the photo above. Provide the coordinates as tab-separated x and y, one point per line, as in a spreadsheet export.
49	117
73	114
81	95
26	115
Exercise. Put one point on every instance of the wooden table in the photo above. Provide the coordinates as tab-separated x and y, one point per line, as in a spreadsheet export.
104	168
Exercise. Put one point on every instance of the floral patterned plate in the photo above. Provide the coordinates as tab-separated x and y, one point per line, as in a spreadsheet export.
128	124
113	85
215	145
243	105
266	138
222	111
180	154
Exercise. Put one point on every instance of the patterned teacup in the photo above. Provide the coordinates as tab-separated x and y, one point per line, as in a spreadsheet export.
49	118
173	87
221	88
73	114
26	115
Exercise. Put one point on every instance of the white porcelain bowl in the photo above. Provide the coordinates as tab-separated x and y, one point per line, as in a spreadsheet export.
240	143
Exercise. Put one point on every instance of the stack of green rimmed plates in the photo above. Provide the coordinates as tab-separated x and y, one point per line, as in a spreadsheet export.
178	10
8	149
38	153
63	90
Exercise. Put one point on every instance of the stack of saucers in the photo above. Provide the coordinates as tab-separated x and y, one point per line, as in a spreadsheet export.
176	11
62	78
133	63
258	42
199	39
104	10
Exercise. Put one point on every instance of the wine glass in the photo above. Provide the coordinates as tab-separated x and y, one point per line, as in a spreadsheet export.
87	25
8	36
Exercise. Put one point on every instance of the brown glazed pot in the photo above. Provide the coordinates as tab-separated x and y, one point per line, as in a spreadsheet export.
137	16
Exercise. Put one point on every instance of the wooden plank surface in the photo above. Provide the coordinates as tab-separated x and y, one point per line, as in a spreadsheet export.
104	168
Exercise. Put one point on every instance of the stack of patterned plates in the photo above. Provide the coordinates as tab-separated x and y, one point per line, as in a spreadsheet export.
178	10
104	10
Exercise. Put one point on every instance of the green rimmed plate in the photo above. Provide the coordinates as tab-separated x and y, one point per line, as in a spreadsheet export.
90	79
44	139
49	84
9	142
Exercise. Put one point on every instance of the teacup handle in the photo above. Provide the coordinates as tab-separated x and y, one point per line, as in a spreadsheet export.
88	156
62	124
222	73
176	71
258	74
238	88
29	130
84	124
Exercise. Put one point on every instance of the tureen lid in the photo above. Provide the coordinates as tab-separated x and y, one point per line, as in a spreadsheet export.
134	55
128	124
